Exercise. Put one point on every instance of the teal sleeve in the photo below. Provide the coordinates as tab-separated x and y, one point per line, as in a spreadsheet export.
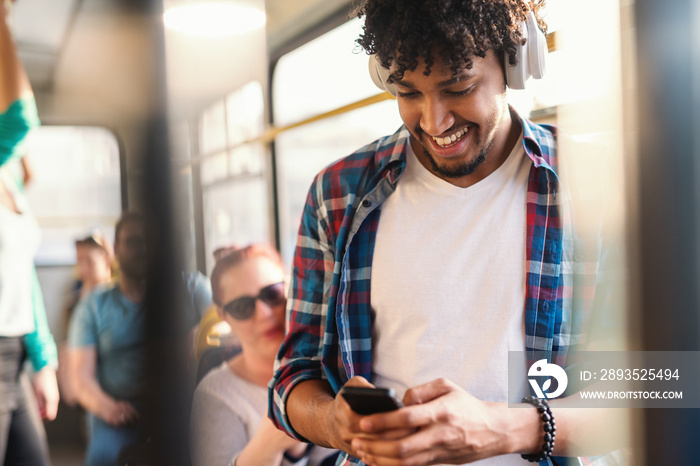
15	123
41	347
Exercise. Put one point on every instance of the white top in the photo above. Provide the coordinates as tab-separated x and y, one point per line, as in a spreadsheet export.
448	281
20	238
226	412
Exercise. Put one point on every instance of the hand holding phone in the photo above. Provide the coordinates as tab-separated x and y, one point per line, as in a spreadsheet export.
370	400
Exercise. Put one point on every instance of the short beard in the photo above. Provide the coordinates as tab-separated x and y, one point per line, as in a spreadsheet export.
465	169
134	272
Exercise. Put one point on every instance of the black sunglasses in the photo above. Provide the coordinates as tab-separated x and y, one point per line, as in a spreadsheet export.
243	308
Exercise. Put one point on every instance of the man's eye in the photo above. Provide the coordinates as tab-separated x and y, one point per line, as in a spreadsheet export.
463	92
406	95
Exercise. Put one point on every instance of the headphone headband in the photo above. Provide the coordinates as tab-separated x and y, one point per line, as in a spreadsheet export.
531	60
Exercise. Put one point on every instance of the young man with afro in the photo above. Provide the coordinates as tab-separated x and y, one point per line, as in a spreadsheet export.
428	255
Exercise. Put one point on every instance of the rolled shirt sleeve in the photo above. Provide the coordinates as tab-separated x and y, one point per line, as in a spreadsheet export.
300	356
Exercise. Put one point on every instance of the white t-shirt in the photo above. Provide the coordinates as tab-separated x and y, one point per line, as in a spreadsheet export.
20	238
448	281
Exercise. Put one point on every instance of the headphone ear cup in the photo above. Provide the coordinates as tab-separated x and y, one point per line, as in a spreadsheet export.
380	75
536	48
517	74
531	57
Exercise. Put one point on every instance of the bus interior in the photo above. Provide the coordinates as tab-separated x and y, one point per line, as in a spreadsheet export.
216	126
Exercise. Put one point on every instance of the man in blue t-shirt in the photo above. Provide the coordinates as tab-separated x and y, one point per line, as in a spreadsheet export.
107	344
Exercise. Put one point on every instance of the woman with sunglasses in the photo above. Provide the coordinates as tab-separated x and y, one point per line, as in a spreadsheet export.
229	412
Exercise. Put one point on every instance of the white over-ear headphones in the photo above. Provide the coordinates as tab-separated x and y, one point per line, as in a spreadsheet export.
531	60
380	75
531	57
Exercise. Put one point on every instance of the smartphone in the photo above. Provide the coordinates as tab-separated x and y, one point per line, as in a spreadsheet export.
368	400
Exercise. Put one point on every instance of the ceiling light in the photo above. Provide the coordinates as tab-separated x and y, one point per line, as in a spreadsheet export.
214	19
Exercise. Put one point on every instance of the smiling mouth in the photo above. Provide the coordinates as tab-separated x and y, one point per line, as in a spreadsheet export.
453	139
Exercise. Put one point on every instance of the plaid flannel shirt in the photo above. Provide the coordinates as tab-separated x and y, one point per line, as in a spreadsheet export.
328	310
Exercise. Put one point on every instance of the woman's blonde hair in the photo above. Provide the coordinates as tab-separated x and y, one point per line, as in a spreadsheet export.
235	256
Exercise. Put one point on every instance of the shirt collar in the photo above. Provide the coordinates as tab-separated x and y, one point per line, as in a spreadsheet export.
390	155
539	142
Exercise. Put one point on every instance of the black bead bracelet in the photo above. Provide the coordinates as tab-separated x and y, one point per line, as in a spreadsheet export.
550	429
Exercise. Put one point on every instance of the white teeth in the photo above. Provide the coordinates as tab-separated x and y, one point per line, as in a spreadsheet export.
449	140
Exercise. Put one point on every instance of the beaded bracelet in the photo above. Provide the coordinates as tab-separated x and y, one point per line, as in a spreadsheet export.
550	429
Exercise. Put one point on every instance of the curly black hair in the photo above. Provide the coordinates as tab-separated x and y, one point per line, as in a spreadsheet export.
403	31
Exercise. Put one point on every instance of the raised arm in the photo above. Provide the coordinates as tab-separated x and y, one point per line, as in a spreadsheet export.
18	113
14	83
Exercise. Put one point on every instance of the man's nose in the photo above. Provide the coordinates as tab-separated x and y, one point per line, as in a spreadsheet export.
436	117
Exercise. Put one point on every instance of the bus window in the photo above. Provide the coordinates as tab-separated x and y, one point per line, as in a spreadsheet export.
299	92
212	127
76	187
245	113
235	213
234	177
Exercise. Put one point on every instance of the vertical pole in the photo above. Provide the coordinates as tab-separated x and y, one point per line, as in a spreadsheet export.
669	206
197	199
167	400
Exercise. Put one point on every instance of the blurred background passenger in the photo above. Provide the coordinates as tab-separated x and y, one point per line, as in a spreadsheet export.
94	263
94	258
198	299
23	331
197	302
229	412
107	345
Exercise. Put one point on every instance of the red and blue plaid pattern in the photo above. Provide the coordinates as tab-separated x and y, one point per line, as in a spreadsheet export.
330	329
